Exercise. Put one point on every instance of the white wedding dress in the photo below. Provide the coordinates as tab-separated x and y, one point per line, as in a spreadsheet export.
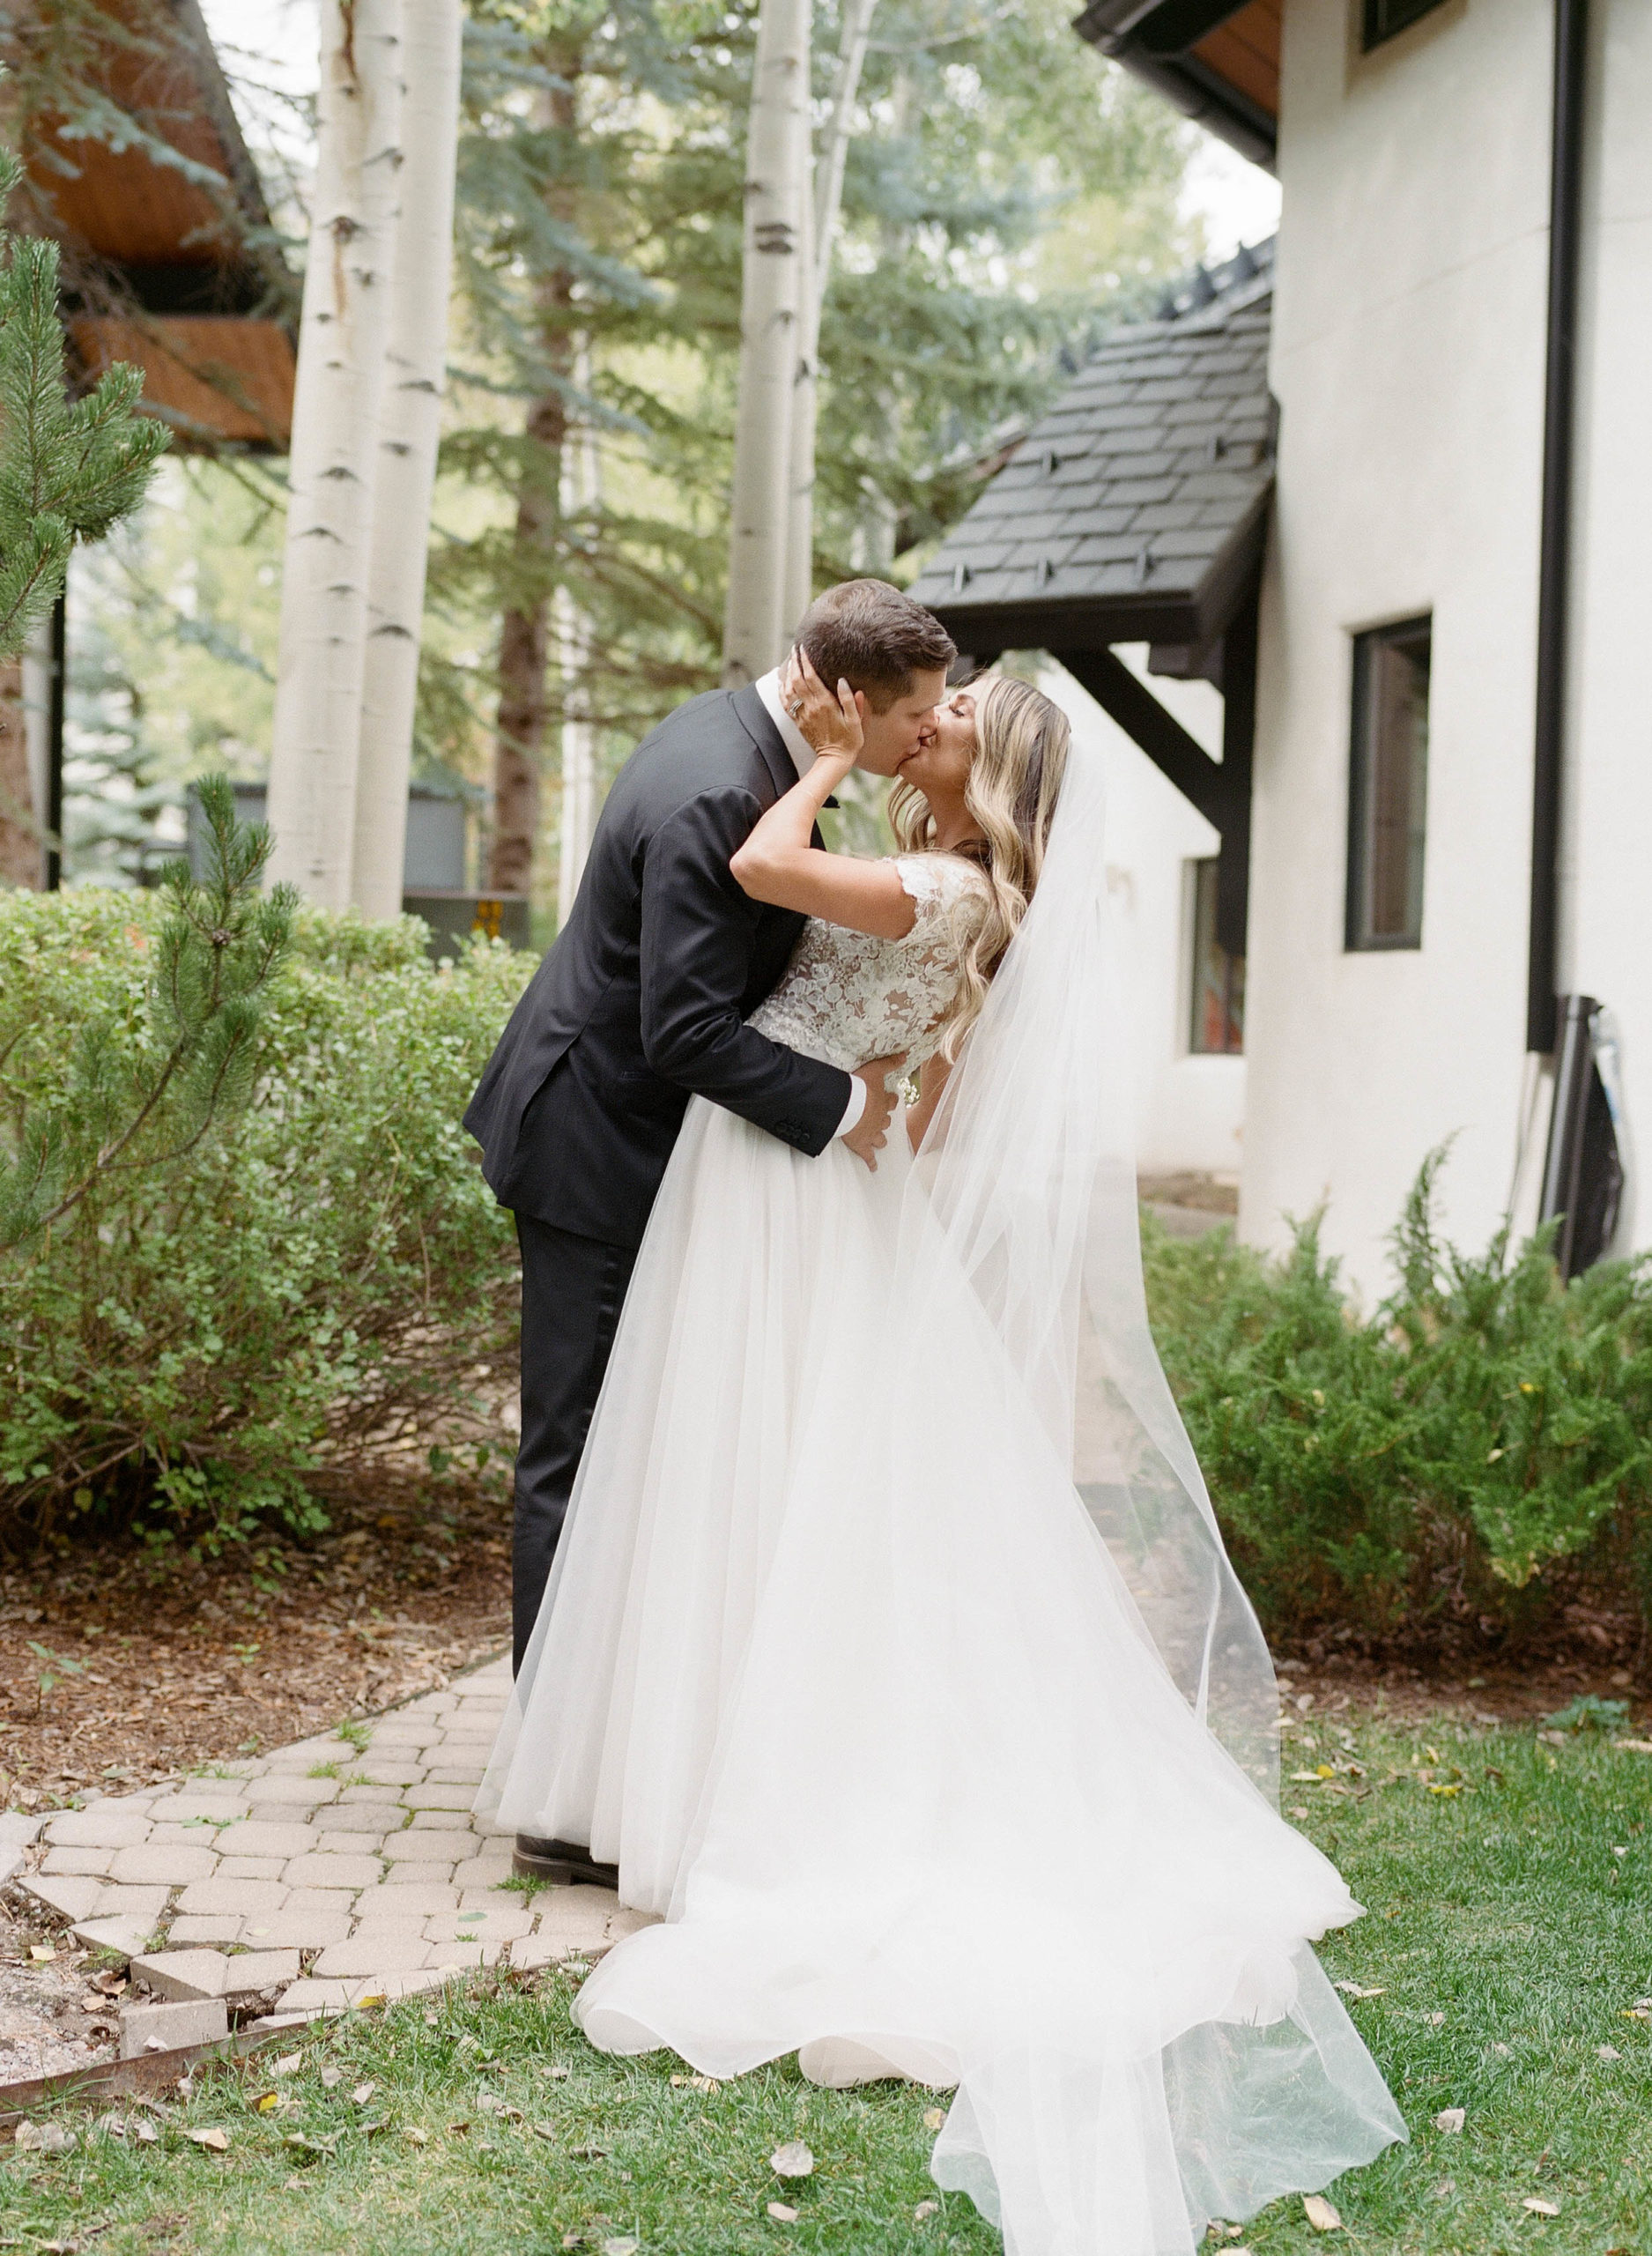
888	1645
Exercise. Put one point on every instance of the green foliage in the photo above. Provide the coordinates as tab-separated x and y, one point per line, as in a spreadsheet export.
137	1106
1590	1712
618	235
289	1274
69	470
1467	1455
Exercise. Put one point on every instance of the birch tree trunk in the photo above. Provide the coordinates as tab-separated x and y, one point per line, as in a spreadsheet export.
344	328
525	632
409	426
771	294
799	584
821	215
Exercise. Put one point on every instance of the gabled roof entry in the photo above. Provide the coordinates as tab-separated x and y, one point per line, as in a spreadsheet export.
1135	509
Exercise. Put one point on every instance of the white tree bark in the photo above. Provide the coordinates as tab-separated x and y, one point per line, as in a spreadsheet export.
799	592
343	331
410	423
821	219
581	491
771	295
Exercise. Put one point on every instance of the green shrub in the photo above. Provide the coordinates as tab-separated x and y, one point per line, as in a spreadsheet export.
312	1283
1472	1453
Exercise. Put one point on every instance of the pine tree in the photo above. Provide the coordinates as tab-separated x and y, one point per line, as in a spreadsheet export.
69	469
600	216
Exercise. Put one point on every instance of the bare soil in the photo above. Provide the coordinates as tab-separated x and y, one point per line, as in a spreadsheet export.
120	1664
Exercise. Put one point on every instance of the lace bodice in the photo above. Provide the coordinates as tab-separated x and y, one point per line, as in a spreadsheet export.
850	995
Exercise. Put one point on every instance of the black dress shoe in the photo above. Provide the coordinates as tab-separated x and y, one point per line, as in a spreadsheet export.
561	1861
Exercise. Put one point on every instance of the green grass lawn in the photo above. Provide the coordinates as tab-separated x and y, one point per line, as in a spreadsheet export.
1508	1887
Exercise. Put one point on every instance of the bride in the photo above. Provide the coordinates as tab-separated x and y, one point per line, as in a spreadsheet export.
902	1671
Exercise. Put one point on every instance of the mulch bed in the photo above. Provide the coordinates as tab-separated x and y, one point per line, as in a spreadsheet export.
175	1662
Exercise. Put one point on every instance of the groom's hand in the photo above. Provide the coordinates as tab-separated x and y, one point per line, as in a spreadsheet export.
867	1137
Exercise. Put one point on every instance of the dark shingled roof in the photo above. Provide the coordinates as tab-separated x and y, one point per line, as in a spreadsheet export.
1135	509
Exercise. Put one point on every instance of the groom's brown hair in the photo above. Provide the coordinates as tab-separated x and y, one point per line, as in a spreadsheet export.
875	637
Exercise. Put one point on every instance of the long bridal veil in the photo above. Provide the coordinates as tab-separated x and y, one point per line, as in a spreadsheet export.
1029	1168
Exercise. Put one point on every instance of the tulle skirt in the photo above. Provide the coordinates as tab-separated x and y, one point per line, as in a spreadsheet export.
835	1666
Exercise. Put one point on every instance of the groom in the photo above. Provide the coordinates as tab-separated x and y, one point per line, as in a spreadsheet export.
643	1004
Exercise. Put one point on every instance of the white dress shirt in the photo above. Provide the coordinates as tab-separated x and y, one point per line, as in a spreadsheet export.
802	753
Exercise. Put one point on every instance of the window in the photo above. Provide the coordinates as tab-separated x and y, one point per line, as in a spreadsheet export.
1216	1024
1381	20
1388	787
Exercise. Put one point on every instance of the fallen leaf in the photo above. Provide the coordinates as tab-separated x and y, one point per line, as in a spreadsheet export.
331	2076
302	2145
216	2141
781	2215
419	2137
1299	1809
557	2072
793	2160
589	2154
288	2064
266	2101
1541	2208
692	2083
362	2093
1353	1990
1635	1746
933	2118
146	2134
622	2245
1451	2118
925	2210
1320	2213
42	1952
1436	2020
45	2138
1608	2053
546	2131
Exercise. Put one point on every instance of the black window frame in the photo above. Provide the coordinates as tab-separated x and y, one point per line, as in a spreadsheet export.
1203	869
1358	939
1382	20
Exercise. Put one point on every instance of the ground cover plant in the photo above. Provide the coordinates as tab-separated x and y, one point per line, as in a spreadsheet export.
1455	1467
1500	1971
246	1247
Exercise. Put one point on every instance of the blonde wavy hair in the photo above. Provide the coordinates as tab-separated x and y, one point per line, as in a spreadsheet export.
1021	741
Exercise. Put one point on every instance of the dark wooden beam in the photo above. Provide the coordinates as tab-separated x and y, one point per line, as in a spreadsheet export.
1239	738
1175	755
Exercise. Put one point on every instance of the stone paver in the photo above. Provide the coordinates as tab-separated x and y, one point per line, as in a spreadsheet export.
378	1876
163	2028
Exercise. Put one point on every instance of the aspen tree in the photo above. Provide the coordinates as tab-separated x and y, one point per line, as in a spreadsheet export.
771	300
821	214
409	426
344	332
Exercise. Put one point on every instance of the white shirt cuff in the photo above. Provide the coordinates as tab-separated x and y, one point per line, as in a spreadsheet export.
856	1105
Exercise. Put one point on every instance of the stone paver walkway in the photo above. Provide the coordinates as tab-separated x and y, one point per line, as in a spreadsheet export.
316	1876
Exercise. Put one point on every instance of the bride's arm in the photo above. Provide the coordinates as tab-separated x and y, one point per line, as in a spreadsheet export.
778	865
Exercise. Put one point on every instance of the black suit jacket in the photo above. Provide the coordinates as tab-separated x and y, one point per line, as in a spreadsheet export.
642	1001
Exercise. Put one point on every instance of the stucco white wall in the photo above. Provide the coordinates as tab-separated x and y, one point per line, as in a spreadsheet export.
1191	1110
1407	362
1606	853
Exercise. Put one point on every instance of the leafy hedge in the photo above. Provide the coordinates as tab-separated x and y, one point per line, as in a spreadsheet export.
1463	1461
306	1282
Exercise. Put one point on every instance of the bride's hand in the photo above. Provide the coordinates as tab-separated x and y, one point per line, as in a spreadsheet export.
831	724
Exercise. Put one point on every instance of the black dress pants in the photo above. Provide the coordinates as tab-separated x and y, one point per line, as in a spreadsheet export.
571	1292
